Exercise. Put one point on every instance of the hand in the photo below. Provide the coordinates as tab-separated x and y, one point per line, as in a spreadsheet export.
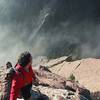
36	81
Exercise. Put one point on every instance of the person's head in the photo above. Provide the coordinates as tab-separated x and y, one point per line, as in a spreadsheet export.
8	65
25	59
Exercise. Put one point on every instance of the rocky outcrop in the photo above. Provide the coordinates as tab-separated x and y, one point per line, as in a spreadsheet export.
56	94
86	71
55	86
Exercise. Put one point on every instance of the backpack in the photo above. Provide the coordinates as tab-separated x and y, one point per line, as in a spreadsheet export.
7	81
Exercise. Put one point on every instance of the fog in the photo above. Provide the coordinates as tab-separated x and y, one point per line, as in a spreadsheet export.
51	28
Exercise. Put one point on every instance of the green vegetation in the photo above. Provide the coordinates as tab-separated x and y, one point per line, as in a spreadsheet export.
72	77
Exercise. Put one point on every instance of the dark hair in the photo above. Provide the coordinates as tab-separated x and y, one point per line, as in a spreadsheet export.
8	65
24	58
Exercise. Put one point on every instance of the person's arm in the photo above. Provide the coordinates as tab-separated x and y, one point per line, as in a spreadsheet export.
35	78
33	73
15	88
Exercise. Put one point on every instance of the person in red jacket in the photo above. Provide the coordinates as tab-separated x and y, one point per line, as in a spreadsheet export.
22	79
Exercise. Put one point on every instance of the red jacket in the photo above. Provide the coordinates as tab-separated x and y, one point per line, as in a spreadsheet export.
20	80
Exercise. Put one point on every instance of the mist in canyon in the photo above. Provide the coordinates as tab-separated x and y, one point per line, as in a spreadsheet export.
51	28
